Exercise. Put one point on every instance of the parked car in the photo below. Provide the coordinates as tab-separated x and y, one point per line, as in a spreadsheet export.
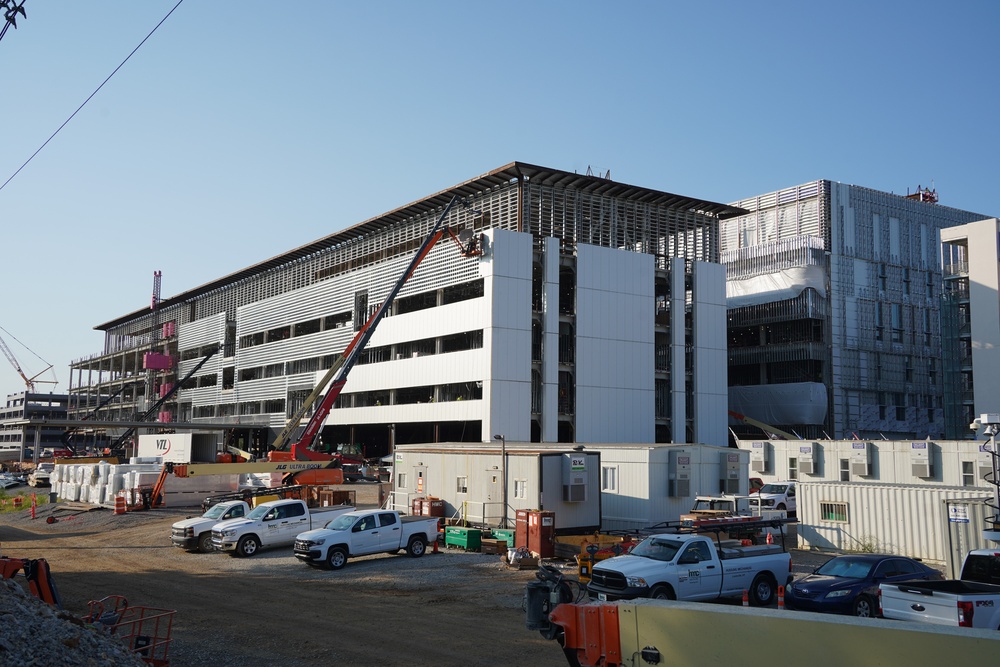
777	496
849	584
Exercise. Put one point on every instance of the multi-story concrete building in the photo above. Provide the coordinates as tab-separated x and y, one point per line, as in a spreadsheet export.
834	296
595	313
970	323
30	405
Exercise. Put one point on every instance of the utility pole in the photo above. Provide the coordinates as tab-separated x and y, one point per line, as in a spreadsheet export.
503	476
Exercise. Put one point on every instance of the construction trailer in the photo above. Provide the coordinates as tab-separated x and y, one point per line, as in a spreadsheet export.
630	486
469	482
934	523
642	485
963	463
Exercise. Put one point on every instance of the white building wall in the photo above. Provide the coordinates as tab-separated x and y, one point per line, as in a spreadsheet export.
984	307
507	342
550	340
614	346
678	350
711	371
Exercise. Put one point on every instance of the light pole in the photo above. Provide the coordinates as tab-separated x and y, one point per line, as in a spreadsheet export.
503	476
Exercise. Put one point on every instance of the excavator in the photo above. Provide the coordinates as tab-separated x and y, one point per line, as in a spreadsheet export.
39	577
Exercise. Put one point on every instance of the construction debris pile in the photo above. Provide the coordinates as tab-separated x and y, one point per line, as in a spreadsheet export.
35	633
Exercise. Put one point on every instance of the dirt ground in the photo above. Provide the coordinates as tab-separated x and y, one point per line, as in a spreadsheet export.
451	608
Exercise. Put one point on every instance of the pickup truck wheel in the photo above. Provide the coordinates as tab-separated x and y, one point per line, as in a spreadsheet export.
864	607
662	592
781	507
247	546
762	590
417	547
336	559
205	542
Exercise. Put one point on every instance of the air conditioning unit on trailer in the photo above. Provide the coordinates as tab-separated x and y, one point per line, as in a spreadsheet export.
679	474
574	478
758	456
729	479
861	458
807	459
920	459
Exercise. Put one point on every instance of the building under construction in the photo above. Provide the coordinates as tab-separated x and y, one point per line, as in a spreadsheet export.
834	296
595	312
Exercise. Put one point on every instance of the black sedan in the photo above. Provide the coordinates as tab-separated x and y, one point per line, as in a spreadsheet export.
849	584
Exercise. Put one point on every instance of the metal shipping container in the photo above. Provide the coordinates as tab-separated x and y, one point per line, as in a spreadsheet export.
930	522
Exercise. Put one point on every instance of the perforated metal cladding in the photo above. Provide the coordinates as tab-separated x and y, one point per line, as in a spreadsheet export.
575	216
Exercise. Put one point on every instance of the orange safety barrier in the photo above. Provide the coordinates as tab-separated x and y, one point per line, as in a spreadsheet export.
746	599
781	597
590	631
120	507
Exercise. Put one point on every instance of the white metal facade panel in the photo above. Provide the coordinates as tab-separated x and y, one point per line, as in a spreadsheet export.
206	331
614	346
550	340
678	349
984	308
507	390
908	520
711	370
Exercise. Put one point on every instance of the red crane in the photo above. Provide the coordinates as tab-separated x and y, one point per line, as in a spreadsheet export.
336	377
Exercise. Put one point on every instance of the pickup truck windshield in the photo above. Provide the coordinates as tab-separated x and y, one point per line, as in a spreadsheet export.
258	512
342	522
773	488
657	549
215	511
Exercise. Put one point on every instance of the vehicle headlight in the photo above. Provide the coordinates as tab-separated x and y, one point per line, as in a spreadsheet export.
318	542
768	501
838	594
229	532
636	582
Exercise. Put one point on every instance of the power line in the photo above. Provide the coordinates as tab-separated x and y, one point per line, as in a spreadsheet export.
91	95
11	10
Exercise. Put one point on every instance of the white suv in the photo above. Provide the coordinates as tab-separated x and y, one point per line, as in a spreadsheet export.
778	496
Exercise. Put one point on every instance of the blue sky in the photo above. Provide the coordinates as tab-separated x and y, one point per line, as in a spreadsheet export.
243	129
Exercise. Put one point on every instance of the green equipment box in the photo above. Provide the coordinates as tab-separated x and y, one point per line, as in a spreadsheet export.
469	539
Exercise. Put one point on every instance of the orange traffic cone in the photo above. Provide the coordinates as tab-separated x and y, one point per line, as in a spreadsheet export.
435	546
781	597
746	599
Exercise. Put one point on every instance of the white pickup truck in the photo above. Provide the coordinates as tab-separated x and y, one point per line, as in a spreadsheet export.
691	567
271	524
365	532
972	601
195	533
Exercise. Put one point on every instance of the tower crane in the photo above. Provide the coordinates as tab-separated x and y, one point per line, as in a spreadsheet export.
28	381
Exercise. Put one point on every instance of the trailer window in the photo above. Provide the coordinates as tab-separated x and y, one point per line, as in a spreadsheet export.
836	512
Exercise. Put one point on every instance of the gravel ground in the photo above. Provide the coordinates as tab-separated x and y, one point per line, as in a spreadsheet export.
450	608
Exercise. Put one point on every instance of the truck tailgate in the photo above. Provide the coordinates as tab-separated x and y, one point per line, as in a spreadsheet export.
911	602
